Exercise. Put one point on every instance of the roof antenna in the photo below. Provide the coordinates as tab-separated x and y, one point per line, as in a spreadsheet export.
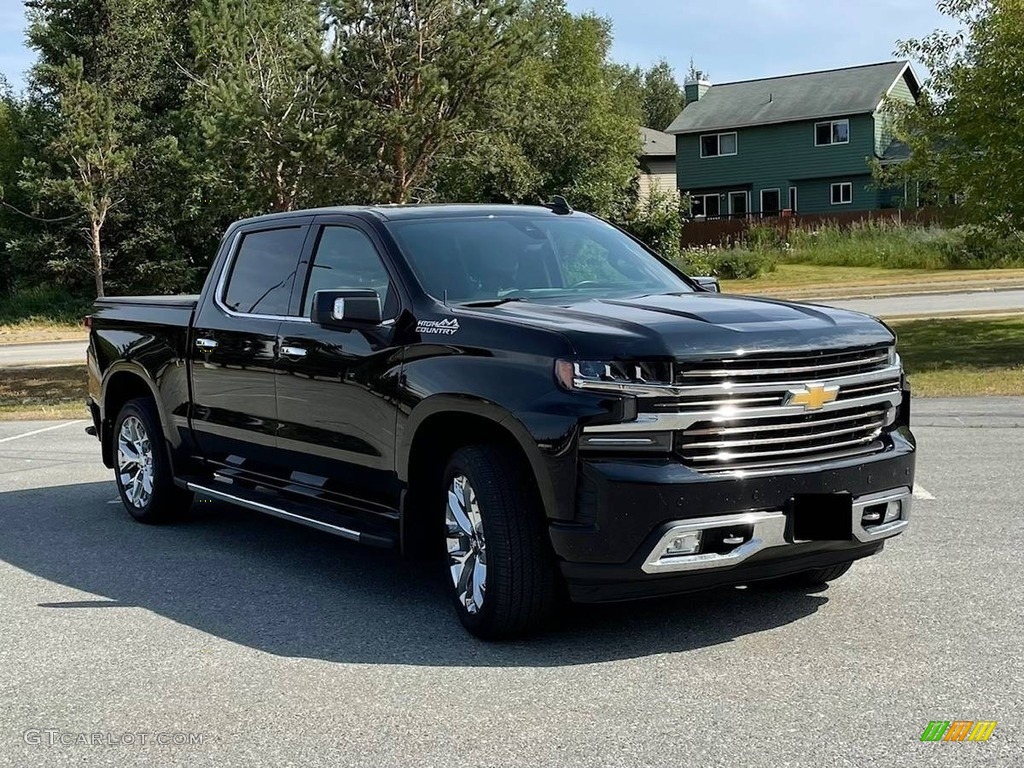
559	205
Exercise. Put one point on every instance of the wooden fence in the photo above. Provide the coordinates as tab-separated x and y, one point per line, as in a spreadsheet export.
729	231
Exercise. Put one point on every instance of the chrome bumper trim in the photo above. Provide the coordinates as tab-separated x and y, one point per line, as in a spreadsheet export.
902	496
769	530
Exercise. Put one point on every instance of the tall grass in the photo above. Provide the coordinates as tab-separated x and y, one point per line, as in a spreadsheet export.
879	243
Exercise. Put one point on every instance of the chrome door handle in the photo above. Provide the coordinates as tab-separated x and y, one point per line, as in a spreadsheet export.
206	344
293	351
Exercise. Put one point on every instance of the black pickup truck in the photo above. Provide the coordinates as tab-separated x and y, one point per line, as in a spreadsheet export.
527	393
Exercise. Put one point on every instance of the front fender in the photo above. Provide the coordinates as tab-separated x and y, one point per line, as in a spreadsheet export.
553	470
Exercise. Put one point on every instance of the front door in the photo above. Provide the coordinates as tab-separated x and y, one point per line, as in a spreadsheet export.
738	203
770	203
336	388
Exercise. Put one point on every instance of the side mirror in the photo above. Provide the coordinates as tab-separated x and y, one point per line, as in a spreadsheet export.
709	284
346	308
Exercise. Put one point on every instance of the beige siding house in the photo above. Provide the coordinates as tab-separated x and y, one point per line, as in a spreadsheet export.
657	162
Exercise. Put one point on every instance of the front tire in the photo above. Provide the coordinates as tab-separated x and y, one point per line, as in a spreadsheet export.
502	575
142	469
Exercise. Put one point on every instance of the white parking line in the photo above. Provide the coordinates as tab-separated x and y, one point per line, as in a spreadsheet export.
922	493
38	431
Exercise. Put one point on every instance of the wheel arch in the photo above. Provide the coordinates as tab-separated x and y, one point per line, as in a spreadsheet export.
126	381
437	428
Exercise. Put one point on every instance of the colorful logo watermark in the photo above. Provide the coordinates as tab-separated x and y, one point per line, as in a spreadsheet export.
958	730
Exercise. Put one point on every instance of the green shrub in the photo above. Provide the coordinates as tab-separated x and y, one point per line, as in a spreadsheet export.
726	263
656	221
765	237
974	247
44	304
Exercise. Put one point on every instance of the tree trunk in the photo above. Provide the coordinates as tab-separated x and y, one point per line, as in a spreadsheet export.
398	187
97	255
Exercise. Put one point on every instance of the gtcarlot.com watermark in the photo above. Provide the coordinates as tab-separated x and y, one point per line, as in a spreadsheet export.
55	737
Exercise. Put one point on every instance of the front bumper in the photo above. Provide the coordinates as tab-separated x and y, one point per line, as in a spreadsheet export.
630	508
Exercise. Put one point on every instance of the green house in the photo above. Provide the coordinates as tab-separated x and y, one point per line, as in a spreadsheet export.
802	143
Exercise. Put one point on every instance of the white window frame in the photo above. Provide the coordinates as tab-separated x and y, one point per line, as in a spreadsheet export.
746	201
704	197
794	198
830	124
778	193
840	184
719	136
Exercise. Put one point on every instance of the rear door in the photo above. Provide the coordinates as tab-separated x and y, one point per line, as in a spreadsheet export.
337	387
234	342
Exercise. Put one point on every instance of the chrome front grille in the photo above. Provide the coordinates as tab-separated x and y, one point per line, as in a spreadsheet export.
778	440
737	413
784	368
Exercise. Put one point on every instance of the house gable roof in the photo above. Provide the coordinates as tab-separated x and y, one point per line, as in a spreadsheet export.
809	96
657	144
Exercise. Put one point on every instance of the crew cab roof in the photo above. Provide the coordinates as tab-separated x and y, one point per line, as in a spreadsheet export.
412	211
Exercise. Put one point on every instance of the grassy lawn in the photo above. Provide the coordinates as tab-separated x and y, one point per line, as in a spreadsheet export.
814	279
952	358
30	331
43	393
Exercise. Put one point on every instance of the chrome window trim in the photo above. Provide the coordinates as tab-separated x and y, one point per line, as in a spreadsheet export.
222	284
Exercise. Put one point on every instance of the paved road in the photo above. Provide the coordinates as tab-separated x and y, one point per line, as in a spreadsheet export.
43	353
936	304
283	646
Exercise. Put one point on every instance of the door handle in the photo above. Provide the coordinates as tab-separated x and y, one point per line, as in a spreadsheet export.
293	351
206	344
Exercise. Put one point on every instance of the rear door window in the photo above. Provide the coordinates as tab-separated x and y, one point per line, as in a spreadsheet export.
264	270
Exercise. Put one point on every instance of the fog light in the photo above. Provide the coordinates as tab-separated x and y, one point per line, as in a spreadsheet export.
683	544
893	511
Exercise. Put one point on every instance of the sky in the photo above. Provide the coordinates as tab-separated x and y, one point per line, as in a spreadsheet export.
735	40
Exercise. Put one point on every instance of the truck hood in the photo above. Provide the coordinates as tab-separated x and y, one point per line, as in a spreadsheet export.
694	325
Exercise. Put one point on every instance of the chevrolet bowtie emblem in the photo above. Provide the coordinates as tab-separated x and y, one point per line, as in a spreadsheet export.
812	397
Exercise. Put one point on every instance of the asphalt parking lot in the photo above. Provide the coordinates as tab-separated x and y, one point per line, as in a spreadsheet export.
282	646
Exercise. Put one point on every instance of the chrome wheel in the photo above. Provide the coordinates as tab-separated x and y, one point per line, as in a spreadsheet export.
135	462
467	552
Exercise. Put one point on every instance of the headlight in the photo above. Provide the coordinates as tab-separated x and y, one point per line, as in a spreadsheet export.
613	375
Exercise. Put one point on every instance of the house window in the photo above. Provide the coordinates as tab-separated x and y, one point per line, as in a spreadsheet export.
792	199
705	205
718	144
770	202
842	193
831	132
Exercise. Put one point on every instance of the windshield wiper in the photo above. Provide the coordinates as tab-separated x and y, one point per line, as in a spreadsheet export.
491	302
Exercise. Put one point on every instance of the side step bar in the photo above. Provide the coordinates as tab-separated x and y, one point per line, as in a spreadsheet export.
249	499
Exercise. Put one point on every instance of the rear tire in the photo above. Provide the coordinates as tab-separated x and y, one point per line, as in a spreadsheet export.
142	469
820	576
502	575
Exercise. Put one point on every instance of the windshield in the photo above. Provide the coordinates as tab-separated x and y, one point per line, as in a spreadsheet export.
532	258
